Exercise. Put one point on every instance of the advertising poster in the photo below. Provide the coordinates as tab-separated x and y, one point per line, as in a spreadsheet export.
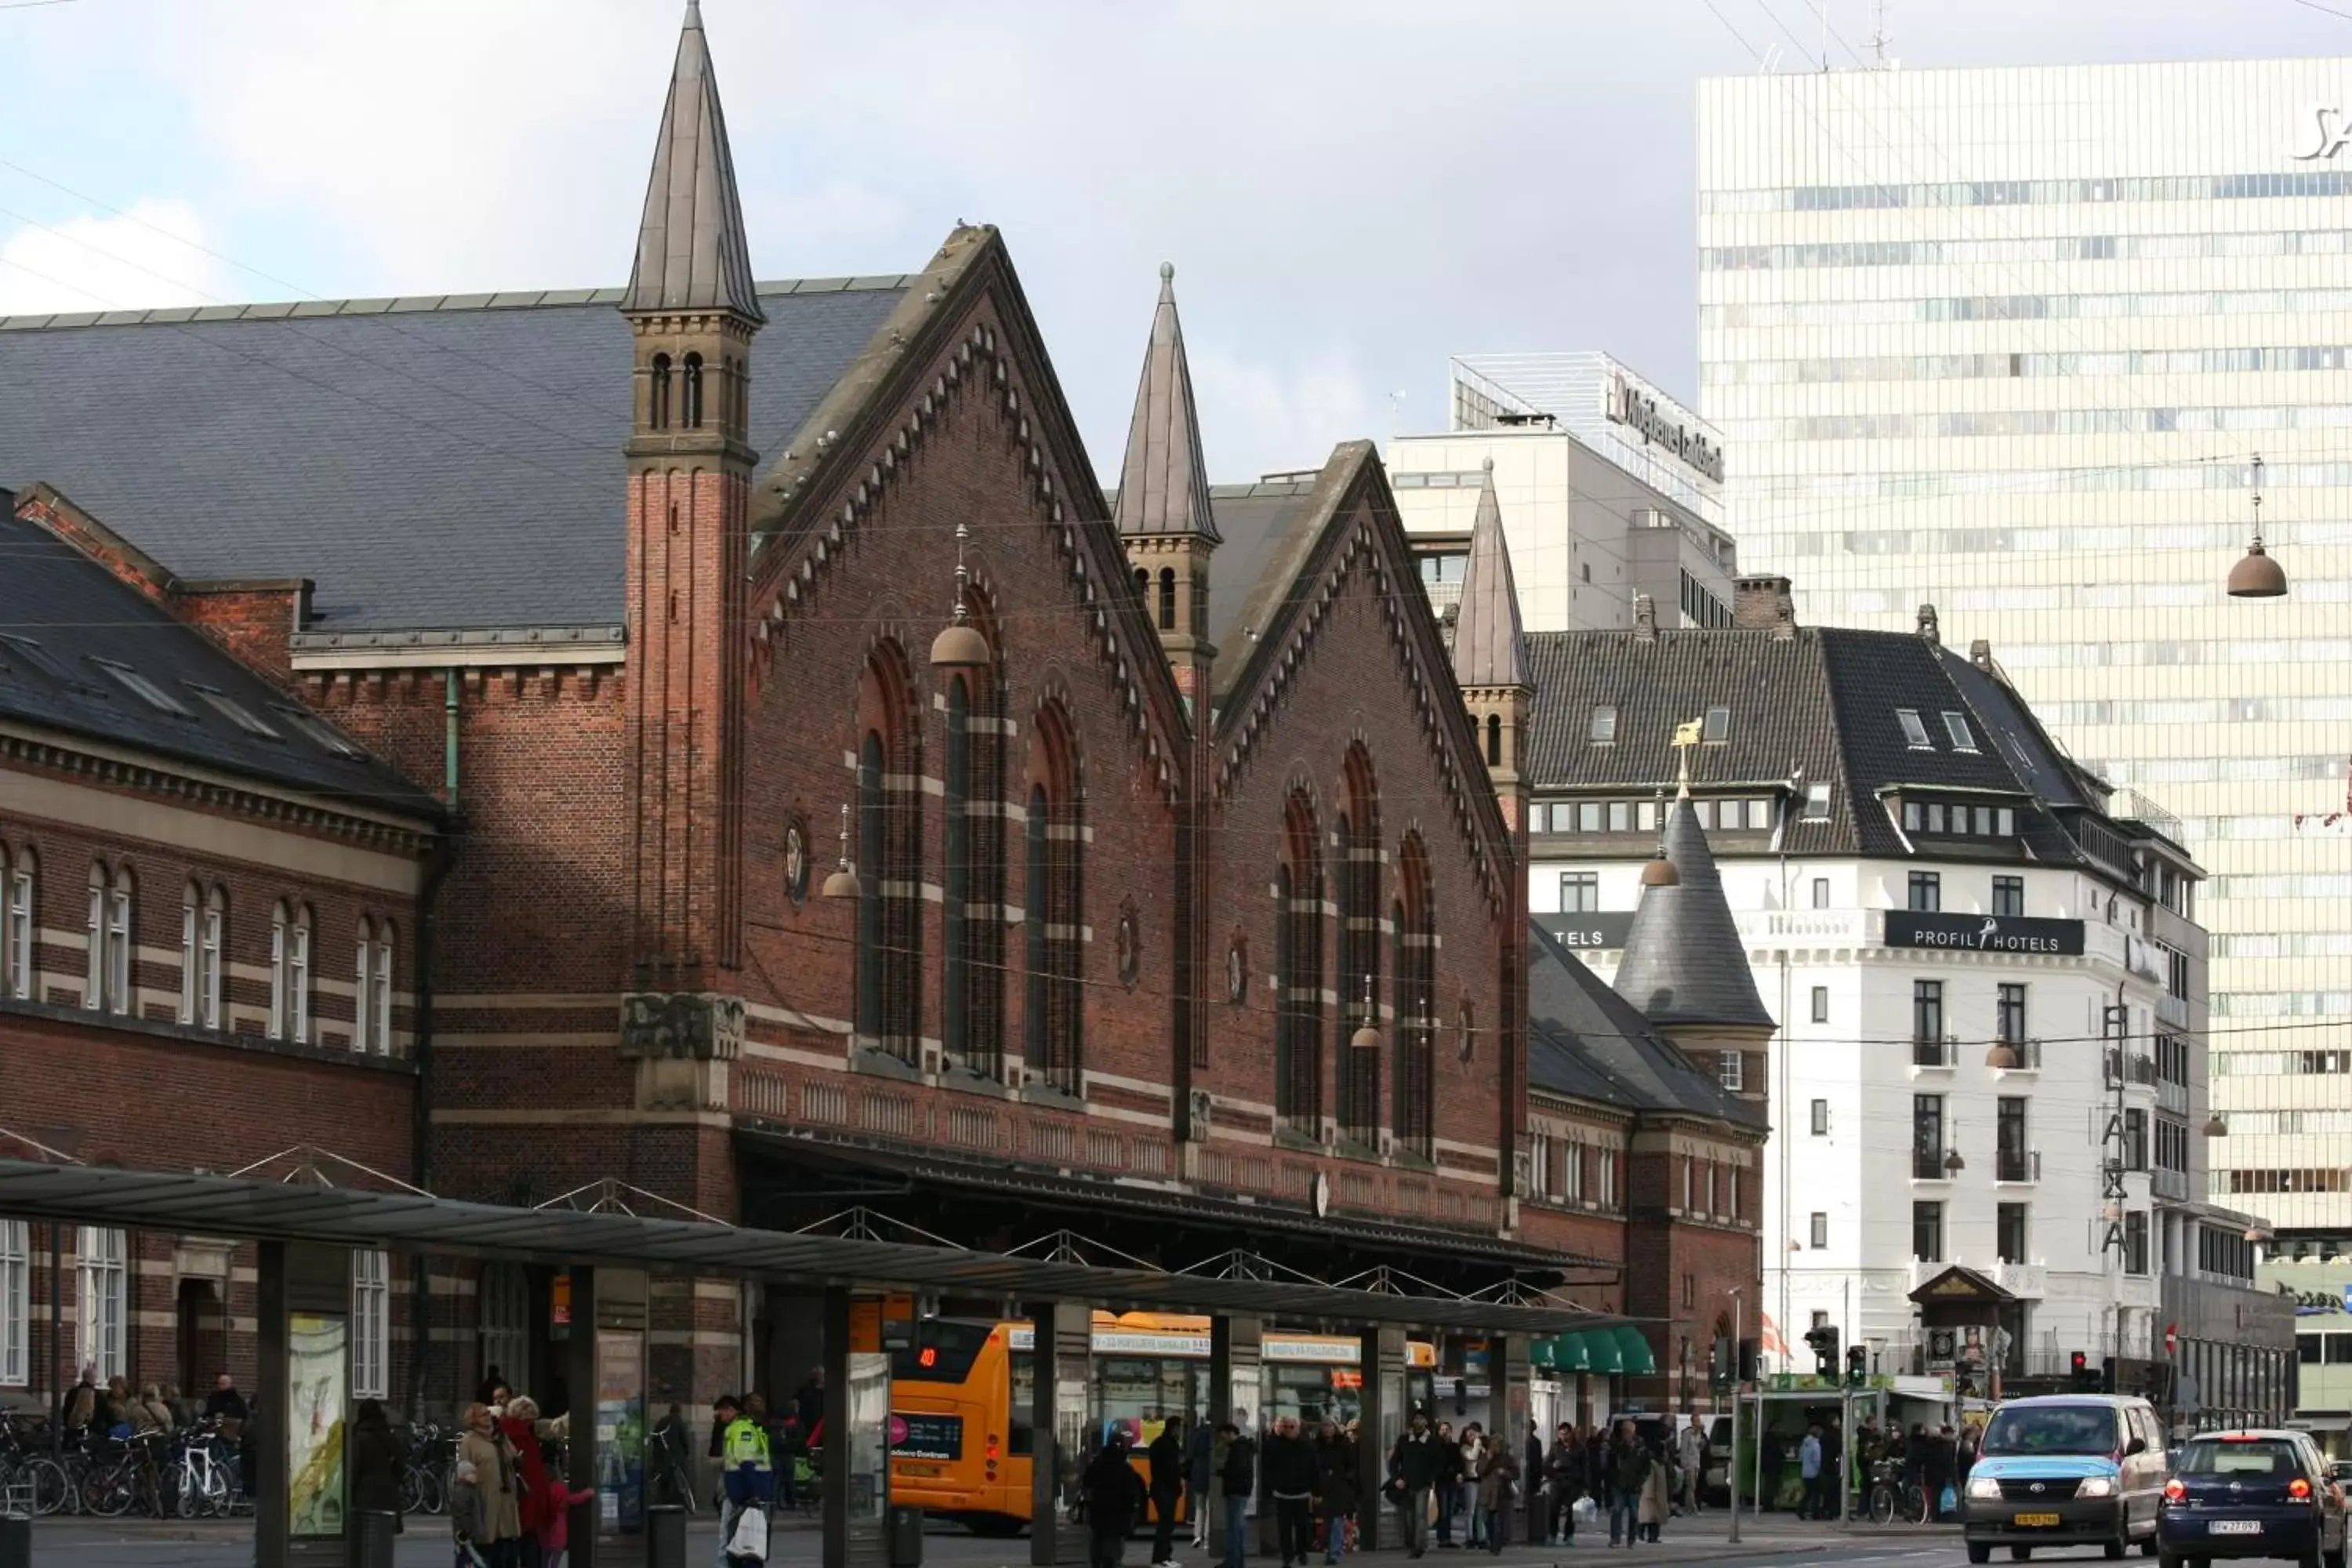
317	1348
620	1431
867	1411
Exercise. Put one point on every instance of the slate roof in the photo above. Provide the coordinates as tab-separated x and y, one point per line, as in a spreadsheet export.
1683	961
1254	522
1488	648
64	619
691	251
1585	1040
1163	485
1818	705
445	462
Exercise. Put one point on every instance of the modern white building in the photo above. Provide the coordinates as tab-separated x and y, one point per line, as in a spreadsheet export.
2011	340
1609	488
1986	975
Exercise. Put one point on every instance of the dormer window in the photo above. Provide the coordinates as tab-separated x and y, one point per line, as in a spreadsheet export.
1717	728
1604	724
1914	731
1817	803
1955	725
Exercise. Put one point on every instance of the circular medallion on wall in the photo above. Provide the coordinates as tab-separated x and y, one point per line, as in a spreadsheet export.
1131	945
1237	970
796	860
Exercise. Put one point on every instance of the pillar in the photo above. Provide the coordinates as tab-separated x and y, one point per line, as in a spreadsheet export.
1509	1397
1063	1357
605	1361
269	1425
1380	1358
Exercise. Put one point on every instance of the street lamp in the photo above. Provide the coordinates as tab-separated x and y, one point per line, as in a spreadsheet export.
843	882
2256	575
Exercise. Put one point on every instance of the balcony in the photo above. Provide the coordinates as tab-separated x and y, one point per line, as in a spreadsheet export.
1928	1165
2017	1165
1936	1051
2028	1054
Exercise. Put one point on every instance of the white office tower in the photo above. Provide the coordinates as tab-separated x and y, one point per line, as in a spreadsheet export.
2010	341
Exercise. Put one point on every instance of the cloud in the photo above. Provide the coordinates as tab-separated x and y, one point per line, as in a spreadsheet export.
1276	416
142	259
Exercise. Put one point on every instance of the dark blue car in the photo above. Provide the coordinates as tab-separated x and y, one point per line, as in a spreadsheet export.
2260	1493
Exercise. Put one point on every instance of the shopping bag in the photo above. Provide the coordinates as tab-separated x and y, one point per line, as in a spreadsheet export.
750	1538
1949	1503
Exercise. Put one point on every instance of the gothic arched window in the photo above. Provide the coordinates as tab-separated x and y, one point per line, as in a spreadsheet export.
692	403
658	394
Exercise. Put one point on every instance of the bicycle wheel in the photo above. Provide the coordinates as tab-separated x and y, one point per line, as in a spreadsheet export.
685	1492
47	1479
107	1492
1882	1504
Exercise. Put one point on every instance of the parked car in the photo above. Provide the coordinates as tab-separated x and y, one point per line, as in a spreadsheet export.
2260	1493
2070	1469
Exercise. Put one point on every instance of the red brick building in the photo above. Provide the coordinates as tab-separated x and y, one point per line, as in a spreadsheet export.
817	790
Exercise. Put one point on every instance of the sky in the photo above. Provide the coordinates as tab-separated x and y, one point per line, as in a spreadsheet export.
1349	190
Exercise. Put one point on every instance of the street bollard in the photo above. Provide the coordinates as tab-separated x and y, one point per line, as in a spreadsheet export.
665	1536
16	1541
378	1535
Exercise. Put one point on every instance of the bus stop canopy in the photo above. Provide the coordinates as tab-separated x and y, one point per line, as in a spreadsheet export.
408	1221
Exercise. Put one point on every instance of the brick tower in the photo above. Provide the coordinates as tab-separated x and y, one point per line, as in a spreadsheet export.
693	310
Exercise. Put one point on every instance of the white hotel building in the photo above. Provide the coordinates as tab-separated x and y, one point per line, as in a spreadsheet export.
1988	978
2010	341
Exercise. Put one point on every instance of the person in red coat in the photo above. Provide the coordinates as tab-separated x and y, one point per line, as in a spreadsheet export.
539	1506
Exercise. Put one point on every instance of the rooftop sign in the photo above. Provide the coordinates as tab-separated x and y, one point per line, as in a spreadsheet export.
1984	934
1635	407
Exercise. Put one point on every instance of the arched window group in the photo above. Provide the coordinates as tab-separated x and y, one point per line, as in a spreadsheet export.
203	932
1052	907
889	862
1360	951
106	985
1415	938
1298	968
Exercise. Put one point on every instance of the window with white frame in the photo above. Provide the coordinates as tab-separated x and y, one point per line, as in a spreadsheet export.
289	972
372	1007
106	986
16	1303
1731	1194
371	1324
1539	1158
1572	1185
99	1299
1608	1178
17	924
203	921
1731	1070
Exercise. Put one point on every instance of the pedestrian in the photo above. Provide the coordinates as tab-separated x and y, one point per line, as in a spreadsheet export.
808	1399
747	1469
1114	1496
468	1522
1414	1467
1338	1487
1809	1469
1499	1479
149	1414
1290	1480
1915	1465
1832	1465
1167	1458
534	1497
1531	1474
1200	1471
224	1403
376	1457
1657	1494
1236	1483
1565	1479
1629	1467
1449	1483
486	1449
1473	1452
1775	1456
1941	1451
488	1390
1694	1456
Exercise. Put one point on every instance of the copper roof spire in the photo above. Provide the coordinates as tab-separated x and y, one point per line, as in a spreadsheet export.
691	251
1163	487
1489	649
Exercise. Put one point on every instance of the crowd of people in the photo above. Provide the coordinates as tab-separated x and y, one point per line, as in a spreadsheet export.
509	1506
1932	1461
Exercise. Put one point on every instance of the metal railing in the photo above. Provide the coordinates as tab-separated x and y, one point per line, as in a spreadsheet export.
1935	1050
2017	1165
1928	1165
2029	1054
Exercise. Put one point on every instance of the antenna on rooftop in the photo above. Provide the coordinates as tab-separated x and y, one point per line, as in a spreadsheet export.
1881	40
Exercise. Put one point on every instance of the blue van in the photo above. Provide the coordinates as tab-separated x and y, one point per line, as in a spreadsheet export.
2070	1469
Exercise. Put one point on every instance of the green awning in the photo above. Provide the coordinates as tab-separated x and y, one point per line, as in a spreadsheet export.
1563	1353
1635	1350
1602	1350
1540	1355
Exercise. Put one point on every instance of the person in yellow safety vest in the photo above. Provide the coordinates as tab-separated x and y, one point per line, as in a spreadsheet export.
747	1467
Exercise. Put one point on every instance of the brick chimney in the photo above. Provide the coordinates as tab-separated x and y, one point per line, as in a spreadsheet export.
1763	604
1928	631
1981	655
1645	617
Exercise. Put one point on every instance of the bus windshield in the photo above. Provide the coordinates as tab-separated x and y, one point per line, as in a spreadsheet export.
2051	1429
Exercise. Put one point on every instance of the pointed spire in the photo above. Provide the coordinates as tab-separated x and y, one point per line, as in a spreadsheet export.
1489	649
1163	487
1684	962
691	251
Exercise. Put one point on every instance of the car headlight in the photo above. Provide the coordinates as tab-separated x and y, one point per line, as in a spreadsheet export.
2095	1486
1983	1486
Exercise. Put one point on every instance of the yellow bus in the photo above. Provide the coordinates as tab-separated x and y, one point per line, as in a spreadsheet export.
960	1401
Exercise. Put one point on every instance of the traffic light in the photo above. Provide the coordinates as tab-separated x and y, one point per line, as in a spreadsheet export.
2085	1380
1719	1363
1824	1341
1857	1365
2108	1375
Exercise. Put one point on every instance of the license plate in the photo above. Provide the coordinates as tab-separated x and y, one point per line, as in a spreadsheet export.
2034	1520
2234	1527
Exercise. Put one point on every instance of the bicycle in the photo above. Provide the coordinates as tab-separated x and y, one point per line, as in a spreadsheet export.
128	1477
202	1478
1894	1495
671	1472
30	1477
425	1478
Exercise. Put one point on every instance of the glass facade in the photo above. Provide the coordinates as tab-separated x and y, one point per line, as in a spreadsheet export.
2007	341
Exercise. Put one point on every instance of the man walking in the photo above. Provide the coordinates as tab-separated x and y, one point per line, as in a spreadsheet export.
1413	1471
1290	1478
748	1472
1809	1469
1114	1495
1167	1460
1693	1454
